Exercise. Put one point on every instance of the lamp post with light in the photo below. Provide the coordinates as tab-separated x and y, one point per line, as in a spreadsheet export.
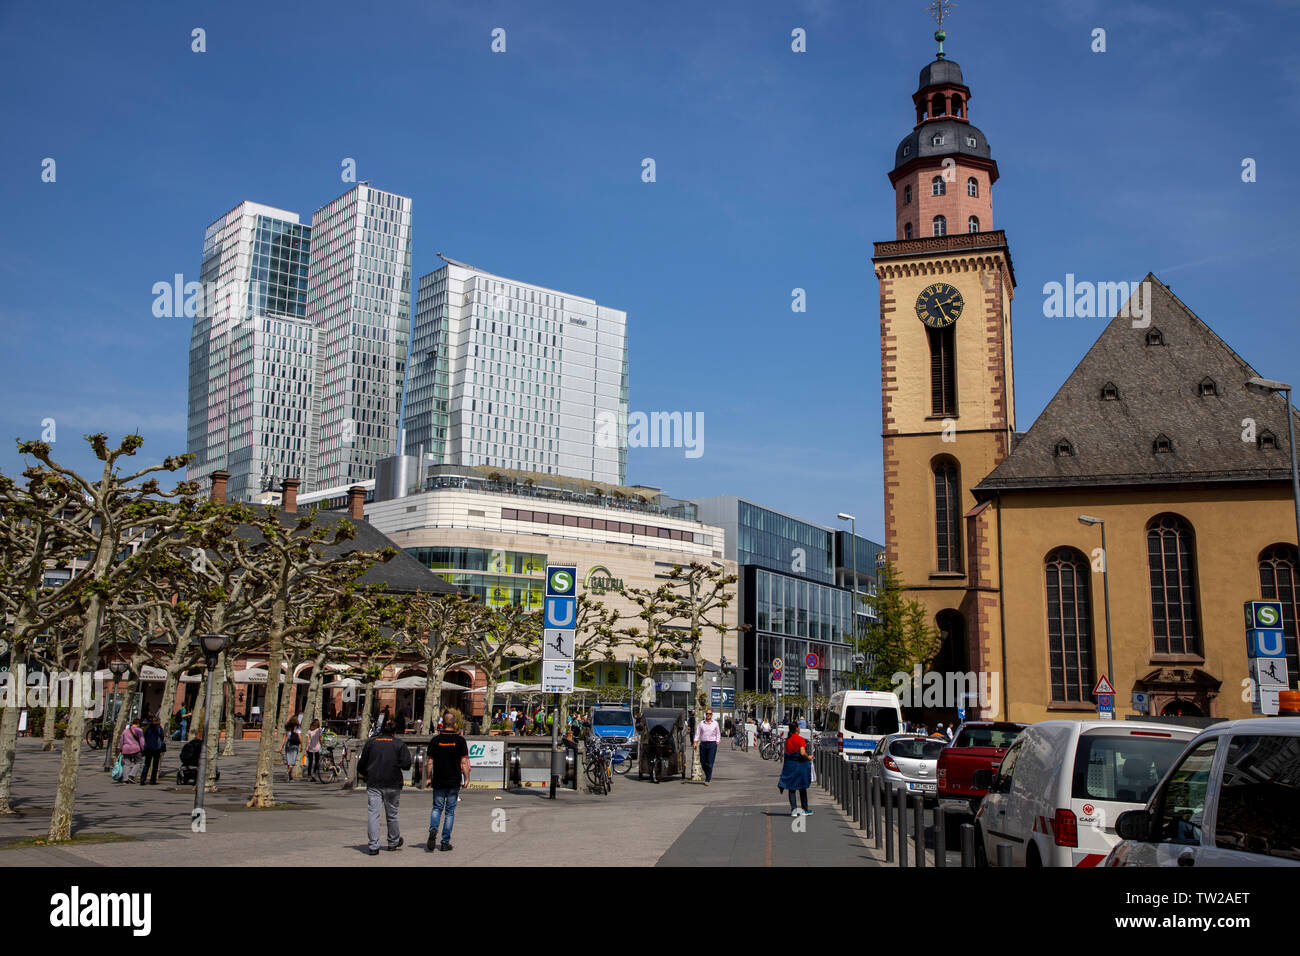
213	645
853	543
1105	588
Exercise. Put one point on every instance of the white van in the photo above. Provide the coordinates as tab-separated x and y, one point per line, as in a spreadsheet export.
856	722
1063	783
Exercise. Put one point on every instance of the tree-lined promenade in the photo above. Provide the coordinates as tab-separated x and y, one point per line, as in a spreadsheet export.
152	570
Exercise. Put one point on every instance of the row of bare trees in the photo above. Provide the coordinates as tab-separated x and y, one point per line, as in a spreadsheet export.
154	570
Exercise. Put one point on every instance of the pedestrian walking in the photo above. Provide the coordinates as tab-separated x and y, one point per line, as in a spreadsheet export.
449	772
131	747
290	745
183	717
707	735
380	765
155	745
796	773
314	733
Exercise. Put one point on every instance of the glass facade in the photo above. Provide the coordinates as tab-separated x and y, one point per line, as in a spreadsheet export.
791	618
516	376
782	543
498	578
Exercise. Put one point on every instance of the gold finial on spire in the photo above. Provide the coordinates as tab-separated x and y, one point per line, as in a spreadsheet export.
940	10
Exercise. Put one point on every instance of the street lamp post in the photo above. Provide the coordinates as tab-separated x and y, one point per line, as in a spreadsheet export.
1105	588
118	668
853	543
213	644
1268	386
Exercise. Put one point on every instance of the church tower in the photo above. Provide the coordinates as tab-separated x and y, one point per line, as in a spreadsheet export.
947	398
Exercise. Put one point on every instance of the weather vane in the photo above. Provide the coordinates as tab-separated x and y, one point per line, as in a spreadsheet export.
940	9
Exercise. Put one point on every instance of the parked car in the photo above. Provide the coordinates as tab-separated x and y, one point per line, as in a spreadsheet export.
857	721
909	760
1232	799
978	745
1063	783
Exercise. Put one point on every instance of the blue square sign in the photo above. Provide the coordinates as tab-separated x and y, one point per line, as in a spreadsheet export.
1262	643
1263	615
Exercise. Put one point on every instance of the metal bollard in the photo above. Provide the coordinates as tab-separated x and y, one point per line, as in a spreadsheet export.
845	785
967	845
878	817
1004	854
918	827
887	821
868	810
940	836
902	827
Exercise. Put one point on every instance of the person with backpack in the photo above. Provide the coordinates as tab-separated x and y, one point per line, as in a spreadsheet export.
380	765
130	747
155	745
290	745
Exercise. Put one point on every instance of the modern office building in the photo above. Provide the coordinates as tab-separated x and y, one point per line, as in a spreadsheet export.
518	376
795	594
492	532
359	302
250	385
298	352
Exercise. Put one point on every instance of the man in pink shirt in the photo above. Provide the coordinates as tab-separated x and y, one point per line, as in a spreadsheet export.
707	735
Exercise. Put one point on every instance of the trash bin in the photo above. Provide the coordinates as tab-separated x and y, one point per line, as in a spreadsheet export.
417	768
560	763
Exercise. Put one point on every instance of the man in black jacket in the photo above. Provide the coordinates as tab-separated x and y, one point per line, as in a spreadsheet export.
381	764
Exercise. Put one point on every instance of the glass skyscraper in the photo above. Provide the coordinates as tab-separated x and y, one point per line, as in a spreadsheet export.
517	376
359	304
250	382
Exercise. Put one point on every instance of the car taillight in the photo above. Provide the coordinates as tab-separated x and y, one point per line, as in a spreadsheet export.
890	765
839	742
943	774
1066	828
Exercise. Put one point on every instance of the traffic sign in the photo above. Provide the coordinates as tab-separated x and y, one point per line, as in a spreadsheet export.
776	674
557	677
561	580
812	660
777	663
560	612
557	644
810	673
1103	687
1266	615
1265	643
1271	673
1106	701
961	713
1141	702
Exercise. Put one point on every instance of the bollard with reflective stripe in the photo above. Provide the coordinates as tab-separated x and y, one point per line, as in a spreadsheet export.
902	826
1004	854
967	845
918	820
940	836
887	821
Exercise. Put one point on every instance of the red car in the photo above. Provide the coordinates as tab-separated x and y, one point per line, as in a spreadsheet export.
978	745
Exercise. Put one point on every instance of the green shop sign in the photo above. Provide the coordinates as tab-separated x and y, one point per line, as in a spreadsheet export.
600	579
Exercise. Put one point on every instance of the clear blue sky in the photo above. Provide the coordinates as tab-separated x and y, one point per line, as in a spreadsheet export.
771	170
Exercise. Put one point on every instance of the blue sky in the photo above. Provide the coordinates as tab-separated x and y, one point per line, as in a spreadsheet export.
771	176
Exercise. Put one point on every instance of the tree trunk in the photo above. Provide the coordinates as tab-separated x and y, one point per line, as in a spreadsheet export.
432	696
228	695
268	747
490	700
51	718
9	739
168	703
312	711
363	725
212	741
66	795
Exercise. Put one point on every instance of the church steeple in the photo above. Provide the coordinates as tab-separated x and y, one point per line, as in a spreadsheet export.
943	171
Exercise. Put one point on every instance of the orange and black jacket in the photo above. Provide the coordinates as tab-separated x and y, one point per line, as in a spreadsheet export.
382	761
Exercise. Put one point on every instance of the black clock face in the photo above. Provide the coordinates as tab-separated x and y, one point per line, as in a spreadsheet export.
939	305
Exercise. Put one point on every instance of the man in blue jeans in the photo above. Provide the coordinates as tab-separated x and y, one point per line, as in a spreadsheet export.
448	772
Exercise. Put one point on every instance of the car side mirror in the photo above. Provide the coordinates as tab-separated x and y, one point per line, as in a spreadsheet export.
1134	825
984	779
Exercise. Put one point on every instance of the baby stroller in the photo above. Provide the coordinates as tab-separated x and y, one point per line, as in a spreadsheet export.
188	775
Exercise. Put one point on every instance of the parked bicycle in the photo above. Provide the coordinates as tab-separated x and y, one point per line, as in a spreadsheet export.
740	738
329	768
770	747
598	759
98	735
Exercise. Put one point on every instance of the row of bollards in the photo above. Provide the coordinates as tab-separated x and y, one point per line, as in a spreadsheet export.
892	816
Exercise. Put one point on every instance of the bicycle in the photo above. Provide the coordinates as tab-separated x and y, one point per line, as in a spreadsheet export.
97	735
770	747
328	769
596	765
740	740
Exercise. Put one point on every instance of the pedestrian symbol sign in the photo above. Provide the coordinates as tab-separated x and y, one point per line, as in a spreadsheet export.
1104	686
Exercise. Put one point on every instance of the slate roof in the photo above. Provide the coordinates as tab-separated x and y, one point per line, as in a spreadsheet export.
920	142
403	574
941	72
1159	394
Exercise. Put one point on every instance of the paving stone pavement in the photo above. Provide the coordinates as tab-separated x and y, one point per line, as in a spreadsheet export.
741	820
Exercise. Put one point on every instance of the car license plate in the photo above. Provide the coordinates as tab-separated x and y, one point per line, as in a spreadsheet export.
924	787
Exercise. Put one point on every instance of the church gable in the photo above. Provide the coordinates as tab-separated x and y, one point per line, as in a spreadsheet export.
1157	399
